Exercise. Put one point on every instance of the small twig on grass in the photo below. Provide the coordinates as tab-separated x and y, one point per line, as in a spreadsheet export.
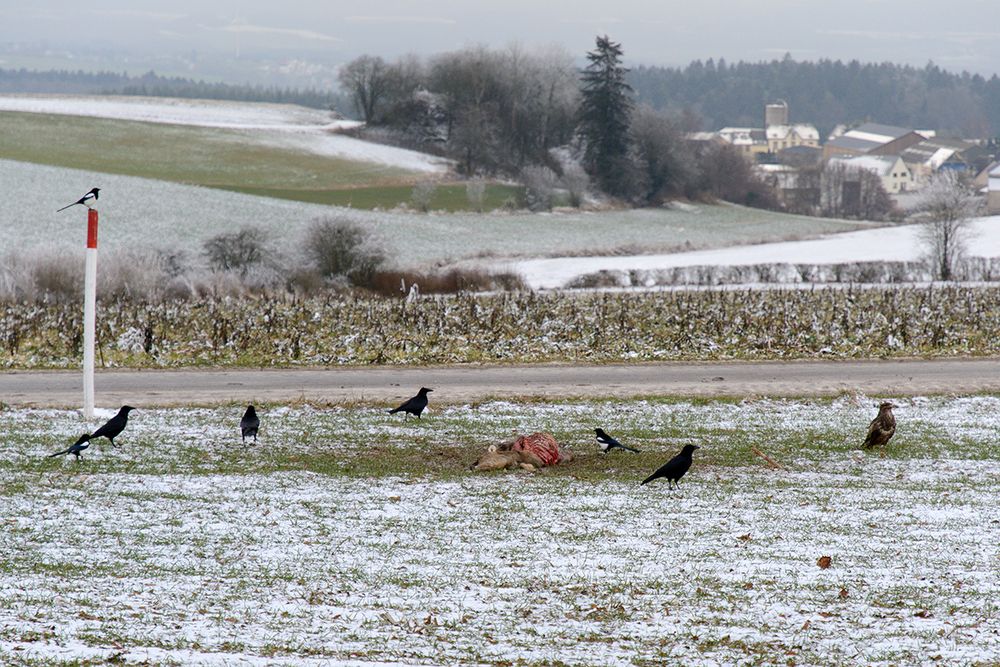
771	462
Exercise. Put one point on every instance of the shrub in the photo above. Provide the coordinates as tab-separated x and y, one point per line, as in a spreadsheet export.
391	283
56	276
340	247
422	195
236	251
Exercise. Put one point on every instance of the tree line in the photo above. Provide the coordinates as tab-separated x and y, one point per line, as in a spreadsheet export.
154	85
826	93
535	116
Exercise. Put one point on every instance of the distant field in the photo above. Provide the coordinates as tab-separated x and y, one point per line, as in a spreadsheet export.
141	213
349	537
215	157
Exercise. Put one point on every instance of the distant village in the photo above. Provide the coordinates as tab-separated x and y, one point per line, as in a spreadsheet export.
804	172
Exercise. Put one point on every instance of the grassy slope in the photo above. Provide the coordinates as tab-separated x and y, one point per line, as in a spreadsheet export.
202	156
347	534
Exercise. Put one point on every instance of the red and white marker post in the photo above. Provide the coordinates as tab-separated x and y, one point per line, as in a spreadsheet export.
89	314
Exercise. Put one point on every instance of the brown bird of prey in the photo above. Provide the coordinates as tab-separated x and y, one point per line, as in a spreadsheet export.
882	427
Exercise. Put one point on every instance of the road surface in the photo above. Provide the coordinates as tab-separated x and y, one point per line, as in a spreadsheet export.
473	383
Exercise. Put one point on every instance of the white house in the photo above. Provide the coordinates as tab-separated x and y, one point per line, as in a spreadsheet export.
780	137
896	176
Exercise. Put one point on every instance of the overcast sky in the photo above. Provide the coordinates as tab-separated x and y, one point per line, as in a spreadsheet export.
956	34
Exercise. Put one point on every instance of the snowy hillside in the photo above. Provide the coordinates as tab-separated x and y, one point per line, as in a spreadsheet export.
285	125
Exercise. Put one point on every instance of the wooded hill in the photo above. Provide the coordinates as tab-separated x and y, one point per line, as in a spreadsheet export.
826	93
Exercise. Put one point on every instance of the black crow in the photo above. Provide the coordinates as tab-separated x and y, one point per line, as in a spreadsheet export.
250	424
882	428
87	200
114	426
75	448
675	468
607	443
415	405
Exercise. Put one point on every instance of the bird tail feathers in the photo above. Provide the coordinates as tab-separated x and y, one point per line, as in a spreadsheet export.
648	480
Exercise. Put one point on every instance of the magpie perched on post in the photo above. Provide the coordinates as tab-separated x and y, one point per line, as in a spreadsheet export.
415	405
87	200
607	443
114	426
75	448
250	424
675	468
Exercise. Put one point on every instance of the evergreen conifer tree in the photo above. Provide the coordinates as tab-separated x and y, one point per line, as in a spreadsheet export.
605	112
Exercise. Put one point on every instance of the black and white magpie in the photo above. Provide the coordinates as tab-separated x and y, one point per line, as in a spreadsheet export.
87	200
607	443
76	447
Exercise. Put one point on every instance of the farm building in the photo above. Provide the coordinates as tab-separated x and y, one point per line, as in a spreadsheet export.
872	139
896	176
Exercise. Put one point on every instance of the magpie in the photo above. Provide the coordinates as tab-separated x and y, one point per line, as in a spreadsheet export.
415	405
75	448
607	443
675	468
87	200
114	426
250	424
882	428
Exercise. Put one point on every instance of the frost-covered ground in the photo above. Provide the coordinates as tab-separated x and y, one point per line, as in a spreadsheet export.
283	125
141	213
346	536
175	111
885	244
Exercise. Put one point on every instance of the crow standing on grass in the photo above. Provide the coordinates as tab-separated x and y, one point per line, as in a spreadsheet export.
882	428
607	443
415	405
114	426
250	424
75	448
87	200
675	468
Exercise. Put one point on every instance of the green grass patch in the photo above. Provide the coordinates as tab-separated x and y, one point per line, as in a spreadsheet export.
212	157
447	197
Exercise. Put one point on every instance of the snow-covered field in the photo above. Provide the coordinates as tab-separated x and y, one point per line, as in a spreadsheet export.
147	214
348	537
282	125
885	244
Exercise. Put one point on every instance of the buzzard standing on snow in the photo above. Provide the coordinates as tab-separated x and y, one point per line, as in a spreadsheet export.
882	427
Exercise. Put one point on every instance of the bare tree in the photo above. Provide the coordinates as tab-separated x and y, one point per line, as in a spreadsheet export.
368	80
946	205
661	154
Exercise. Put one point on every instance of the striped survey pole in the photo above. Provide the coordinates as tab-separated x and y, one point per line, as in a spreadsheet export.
89	314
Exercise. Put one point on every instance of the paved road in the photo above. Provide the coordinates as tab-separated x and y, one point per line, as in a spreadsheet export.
469	383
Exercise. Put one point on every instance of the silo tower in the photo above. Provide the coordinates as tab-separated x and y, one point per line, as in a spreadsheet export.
776	113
